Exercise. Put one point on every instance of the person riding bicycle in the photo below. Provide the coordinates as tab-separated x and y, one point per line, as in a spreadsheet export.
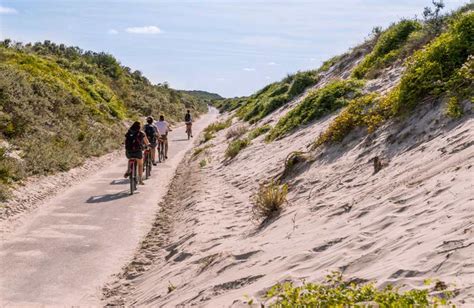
152	134
188	120
163	129
135	141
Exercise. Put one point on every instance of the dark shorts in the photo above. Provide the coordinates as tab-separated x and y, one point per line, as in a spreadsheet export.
137	154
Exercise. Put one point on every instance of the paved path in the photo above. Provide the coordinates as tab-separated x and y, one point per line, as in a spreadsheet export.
67	250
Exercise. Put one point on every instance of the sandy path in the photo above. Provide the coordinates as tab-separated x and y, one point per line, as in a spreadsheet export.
64	252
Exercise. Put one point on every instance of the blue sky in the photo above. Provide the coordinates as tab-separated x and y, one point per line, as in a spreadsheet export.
224	46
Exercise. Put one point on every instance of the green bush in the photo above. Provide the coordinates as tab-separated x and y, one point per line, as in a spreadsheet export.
360	112
387	48
275	95
259	131
454	108
317	104
235	147
336	292
429	71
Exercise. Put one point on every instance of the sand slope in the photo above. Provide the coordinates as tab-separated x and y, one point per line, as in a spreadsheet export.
411	221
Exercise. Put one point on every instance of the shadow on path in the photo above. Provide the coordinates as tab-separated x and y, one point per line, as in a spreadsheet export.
120	182
108	197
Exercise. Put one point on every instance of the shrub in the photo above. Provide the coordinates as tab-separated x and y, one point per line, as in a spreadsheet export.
336	292
199	150
203	163
269	201
207	136
218	126
428	71
387	48
360	112
317	104
235	147
454	108
275	95
259	131
236	132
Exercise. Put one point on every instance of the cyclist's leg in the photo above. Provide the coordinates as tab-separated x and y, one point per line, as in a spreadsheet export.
166	148
153	154
140	170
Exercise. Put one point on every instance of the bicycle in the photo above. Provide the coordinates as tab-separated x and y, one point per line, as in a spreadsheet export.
188	130
161	150
132	167
148	163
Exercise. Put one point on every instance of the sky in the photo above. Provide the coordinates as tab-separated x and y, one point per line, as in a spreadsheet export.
229	47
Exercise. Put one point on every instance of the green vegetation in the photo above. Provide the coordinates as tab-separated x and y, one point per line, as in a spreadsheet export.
60	105
214	128
316	105
387	49
436	69
454	108
276	95
258	131
444	67
269	201
199	150
203	163
203	95
235	147
360	112
336	292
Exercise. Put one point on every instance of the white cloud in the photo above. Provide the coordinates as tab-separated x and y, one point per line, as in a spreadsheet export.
144	30
7	10
268	77
249	69
271	63
112	31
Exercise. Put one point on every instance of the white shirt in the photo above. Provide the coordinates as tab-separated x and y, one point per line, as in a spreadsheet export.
162	126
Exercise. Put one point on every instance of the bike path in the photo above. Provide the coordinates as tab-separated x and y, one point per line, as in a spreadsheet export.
64	252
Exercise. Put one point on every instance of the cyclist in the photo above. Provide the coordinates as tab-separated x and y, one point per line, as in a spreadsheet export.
135	141
189	122
151	133
163	129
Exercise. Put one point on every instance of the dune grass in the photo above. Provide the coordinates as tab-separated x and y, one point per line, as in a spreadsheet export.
317	104
444	68
258	131
387	48
269	201
235	147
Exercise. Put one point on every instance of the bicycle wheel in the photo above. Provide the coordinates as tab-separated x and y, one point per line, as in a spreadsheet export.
135	175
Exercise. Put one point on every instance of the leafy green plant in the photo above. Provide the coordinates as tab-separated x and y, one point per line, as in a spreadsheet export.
430	70
317	104
454	108
269	201
387	48
235	147
337	292
203	163
258	131
360	112
276	95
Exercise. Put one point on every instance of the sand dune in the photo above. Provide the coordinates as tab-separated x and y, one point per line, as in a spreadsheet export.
411	221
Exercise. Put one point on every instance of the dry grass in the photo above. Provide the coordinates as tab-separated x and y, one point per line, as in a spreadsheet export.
236	132
269	201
